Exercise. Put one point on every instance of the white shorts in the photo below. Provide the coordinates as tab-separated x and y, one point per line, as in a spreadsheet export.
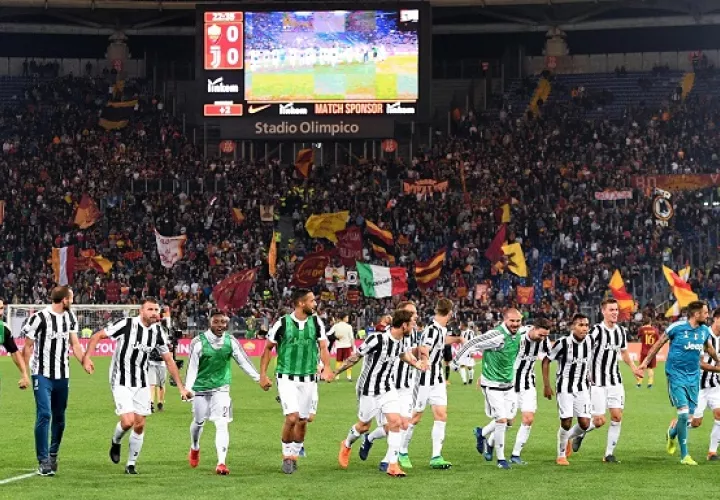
214	406
709	398
602	398
405	398
297	396
526	401
468	361
315	399
131	400
377	407
157	374
572	405
500	404
434	395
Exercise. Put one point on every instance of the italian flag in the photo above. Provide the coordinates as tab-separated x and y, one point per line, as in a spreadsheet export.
378	281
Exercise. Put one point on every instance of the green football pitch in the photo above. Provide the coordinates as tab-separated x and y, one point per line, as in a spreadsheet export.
393	79
85	471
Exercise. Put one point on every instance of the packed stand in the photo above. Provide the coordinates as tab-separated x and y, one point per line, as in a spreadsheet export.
150	176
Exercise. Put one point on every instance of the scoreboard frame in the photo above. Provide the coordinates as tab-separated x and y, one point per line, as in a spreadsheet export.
222	97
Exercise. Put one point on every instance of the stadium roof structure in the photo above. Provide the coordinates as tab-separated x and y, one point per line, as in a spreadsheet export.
175	17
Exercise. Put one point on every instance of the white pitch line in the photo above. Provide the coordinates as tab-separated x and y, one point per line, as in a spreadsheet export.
17	478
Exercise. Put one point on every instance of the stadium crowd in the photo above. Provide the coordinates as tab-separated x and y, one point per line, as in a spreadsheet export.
149	175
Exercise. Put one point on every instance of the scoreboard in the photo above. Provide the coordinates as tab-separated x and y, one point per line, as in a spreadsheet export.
294	62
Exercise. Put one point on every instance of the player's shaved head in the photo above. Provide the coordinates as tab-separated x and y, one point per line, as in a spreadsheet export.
512	319
512	312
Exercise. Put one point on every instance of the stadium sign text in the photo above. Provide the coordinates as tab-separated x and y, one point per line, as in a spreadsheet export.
219	87
290	109
398	109
312	130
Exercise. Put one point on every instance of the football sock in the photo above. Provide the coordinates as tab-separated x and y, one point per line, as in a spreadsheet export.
500	430
438	436
715	437
119	433
682	433
353	435
407	437
394	439
613	436
196	431
378	433
522	437
136	444
222	441
562	438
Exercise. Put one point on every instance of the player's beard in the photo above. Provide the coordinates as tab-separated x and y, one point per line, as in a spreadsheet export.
308	311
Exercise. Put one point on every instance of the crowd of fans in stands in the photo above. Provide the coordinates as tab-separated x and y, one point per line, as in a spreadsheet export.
547	168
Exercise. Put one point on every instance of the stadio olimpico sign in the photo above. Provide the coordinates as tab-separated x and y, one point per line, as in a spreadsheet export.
336	128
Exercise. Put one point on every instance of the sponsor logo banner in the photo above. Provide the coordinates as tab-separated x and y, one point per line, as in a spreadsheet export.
613	195
218	86
319	128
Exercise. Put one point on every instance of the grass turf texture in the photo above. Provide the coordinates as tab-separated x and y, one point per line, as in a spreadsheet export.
254	457
387	80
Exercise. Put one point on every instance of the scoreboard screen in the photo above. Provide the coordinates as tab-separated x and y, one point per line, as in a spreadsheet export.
294	63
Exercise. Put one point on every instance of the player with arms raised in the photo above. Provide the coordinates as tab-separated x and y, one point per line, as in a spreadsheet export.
688	339
208	376
300	340
501	346
136	339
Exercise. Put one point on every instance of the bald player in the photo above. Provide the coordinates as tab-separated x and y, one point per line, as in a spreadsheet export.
501	346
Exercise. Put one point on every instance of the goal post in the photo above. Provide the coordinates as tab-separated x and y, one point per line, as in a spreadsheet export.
91	316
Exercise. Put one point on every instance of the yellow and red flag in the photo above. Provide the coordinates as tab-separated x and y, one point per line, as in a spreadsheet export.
680	288
626	303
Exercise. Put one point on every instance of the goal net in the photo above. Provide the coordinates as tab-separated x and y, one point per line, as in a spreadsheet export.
91	317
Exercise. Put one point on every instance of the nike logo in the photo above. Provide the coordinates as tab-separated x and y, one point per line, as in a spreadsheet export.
256	109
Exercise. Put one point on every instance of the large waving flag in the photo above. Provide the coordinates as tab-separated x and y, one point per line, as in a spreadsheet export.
382	242
378	282
495	251
87	212
232	293
117	115
272	255
675	309
680	288
326	225
428	272
515	259
304	162
626	303
170	248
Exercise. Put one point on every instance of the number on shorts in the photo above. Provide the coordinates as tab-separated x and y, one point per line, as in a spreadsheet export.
226	410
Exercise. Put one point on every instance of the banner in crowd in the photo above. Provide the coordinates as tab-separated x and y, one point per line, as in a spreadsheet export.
87	212
662	207
353	296
255	347
2	212
349	245
352	278
63	264
267	213
428	272
379	282
675	182
170	248
424	186
117	115
613	195
232	293
525	295
237	215
326	225
310	270
335	275
304	162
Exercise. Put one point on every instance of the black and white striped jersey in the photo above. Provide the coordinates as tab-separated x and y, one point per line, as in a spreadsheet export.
51	334
433	337
404	373
135	342
573	359
709	379
380	352
607	344
530	351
